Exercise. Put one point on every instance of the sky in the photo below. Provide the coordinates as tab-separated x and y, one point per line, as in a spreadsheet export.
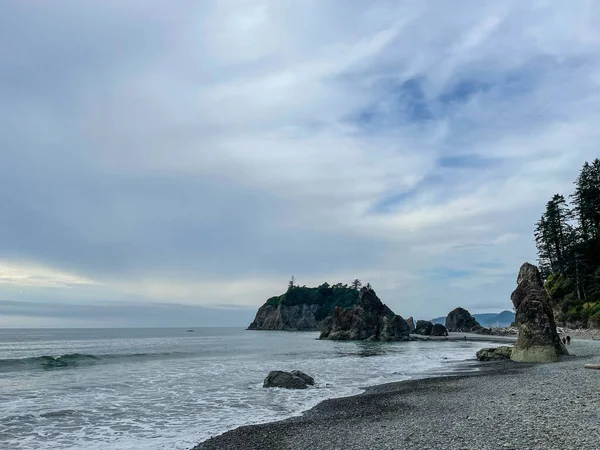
175	163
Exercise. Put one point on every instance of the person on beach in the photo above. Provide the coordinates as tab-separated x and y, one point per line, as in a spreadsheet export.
564	340
568	340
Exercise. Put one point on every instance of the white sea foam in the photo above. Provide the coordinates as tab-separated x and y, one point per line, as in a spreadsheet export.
213	385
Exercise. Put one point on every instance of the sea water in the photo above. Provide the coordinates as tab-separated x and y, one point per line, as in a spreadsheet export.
173	388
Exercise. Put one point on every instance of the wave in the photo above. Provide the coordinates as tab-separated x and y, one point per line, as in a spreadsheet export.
71	360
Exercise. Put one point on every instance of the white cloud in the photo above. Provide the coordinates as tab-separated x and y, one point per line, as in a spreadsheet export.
233	142
32	275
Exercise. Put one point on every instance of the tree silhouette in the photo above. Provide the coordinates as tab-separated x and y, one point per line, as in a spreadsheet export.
292	283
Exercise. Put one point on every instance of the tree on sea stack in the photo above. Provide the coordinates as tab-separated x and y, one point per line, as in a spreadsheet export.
356	284
292	283
538	340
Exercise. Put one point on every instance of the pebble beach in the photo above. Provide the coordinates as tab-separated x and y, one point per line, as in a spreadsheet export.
503	405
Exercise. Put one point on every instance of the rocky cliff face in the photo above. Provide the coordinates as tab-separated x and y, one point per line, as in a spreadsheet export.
369	320
461	320
287	318
303	308
538	340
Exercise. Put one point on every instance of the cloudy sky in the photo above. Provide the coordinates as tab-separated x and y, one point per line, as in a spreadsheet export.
174	163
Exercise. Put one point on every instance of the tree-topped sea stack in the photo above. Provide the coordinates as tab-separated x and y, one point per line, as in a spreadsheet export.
303	308
538	340
369	320
461	320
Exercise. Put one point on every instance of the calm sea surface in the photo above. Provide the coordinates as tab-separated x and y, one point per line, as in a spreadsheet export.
171	388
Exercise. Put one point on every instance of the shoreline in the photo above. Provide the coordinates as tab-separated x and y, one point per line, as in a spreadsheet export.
469	337
488	408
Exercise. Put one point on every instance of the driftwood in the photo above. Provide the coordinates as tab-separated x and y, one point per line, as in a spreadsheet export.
592	366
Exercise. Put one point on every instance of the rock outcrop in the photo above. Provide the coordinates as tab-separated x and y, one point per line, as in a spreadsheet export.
424	327
369	320
303	308
439	330
287	318
538	340
288	380
484	331
460	320
492	354
411	324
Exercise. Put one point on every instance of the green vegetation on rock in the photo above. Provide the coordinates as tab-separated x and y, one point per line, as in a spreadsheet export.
326	297
568	241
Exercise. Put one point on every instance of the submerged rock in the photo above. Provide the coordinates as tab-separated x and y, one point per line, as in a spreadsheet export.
411	324
538	340
369	320
288	380
492	354
424	327
439	330
462	321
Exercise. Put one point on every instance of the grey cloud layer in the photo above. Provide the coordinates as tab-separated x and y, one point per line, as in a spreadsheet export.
195	144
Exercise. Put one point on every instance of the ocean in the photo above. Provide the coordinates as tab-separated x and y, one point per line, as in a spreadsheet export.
172	388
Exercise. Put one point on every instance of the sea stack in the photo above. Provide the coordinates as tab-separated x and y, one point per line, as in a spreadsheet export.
538	340
369	320
461	320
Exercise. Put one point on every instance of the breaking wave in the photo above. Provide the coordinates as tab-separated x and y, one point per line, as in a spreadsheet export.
71	360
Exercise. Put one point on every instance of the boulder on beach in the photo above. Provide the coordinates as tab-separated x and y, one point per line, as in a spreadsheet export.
485	331
439	330
461	320
411	324
369	320
288	380
492	354
424	327
538	340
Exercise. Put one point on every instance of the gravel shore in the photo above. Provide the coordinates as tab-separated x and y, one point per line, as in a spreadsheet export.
505	405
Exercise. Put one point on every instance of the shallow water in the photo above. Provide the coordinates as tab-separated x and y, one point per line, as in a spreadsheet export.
170	388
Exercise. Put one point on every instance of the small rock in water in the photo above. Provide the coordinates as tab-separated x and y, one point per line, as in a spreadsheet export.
288	380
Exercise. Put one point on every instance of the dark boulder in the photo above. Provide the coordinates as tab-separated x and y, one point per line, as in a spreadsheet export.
288	380
492	354
538	340
307	378
439	330
369	320
424	327
485	331
460	320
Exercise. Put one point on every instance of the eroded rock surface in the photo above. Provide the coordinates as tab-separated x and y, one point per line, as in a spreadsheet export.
538	340
369	320
411	324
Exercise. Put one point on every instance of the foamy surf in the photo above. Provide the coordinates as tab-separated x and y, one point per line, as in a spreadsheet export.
158	389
